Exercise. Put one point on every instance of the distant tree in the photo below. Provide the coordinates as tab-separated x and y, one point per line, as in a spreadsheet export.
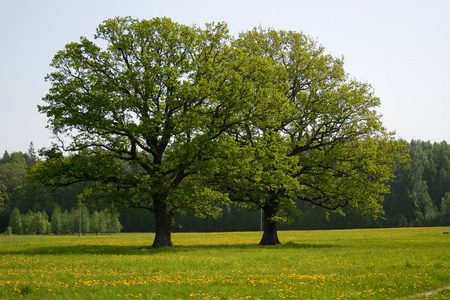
400	210
70	221
4	198
103	222
57	221
41	222
18	157
424	185
28	223
424	206
85	220
32	157
445	210
15	221
95	223
445	203
12	175
114	225
439	184
6	158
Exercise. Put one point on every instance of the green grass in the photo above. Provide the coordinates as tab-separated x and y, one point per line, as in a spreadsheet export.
345	264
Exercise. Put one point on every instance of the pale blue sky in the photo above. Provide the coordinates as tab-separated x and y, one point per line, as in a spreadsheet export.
400	47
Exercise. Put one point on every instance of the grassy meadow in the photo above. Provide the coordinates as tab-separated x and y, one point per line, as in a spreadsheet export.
406	263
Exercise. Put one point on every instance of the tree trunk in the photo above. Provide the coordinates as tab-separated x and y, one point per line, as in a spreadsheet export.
270	235
163	219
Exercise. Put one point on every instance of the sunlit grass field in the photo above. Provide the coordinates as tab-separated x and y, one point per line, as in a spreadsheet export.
410	263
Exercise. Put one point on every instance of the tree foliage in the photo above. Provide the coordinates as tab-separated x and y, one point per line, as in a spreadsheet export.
12	174
157	99
64	222
398	204
322	143
169	116
15	221
419	194
57	220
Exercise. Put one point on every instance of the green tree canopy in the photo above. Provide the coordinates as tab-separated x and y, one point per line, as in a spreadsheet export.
323	141
12	176
169	116
15	221
31	156
145	117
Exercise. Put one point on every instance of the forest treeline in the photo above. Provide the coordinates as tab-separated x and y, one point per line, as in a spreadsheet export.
63	222
420	196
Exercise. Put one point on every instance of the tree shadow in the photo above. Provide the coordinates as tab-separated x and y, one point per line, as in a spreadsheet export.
85	249
81	249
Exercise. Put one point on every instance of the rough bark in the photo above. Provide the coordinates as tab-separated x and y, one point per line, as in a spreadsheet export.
270	235
163	220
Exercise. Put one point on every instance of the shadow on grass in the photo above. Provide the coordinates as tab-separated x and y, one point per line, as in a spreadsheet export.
84	249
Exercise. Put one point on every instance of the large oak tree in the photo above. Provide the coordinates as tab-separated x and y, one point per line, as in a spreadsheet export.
323	142
144	117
